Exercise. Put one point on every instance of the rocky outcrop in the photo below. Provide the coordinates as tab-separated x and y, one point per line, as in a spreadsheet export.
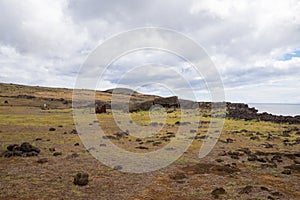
233	110
167	102
242	111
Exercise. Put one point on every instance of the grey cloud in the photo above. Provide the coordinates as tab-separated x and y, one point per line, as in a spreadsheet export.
52	38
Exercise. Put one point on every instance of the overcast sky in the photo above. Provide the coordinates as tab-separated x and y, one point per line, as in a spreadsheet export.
255	45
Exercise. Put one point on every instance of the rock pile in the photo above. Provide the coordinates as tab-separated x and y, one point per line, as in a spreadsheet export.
24	150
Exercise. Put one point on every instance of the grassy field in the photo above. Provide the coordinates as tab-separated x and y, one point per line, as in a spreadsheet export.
227	166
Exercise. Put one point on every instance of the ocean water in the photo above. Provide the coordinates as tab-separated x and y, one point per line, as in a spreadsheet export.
277	108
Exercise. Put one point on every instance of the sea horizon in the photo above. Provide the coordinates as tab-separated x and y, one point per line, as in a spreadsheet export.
285	109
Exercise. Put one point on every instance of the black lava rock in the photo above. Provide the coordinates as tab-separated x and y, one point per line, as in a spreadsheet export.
229	140
178	176
81	179
141	147
57	153
118	167
252	158
42	160
235	157
156	143
26	147
11	147
74	131
287	172
246	190
218	191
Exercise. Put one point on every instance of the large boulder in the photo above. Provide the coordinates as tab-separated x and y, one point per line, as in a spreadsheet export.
81	179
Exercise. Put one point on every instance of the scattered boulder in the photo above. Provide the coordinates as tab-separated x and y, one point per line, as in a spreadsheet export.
268	145
166	138
81	179
171	134
42	160
290	156
245	150
74	131
263	188
178	176
285	134
153	124
277	194
236	153
141	147
91	149
268	165
277	158
57	154
297	154
118	167
262	160
6	102
222	153
294	168
120	135
109	137
182	123
218	191
235	157
246	190
287	172
74	155
254	138
156	143
229	140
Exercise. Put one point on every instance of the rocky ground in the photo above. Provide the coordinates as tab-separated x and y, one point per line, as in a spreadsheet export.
44	158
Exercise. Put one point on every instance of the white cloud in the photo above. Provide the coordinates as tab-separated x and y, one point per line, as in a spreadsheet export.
45	42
